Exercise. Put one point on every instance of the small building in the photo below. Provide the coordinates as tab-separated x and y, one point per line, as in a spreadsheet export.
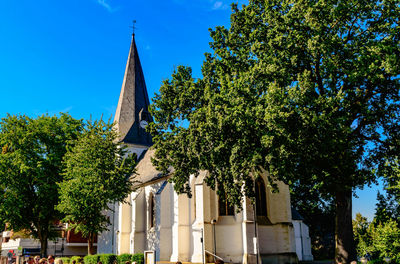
68	244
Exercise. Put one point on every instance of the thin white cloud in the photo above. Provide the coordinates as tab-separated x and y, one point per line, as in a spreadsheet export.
219	5
106	5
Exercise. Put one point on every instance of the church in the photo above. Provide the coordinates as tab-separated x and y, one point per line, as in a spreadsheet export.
200	229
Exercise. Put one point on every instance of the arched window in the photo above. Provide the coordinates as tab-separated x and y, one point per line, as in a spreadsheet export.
261	198
152	211
224	207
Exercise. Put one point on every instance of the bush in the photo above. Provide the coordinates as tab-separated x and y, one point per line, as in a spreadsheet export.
124	258
91	259
65	260
386	240
107	258
138	258
78	259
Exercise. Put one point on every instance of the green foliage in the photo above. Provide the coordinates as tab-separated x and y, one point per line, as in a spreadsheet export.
107	258
386	240
78	259
66	260
380	239
387	208
306	90
362	235
138	258
93	259
96	175
112	258
124	258
30	168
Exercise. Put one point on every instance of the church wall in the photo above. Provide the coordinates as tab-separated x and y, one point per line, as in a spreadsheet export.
278	238
278	204
229	247
303	241
166	220
248	233
228	237
138	232
184	228
209	213
125	221
107	240
198	223
153	233
179	221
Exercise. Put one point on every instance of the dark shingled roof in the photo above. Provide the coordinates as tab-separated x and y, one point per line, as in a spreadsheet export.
133	103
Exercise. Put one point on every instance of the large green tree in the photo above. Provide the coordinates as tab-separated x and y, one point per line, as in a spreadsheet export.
97	173
30	168
307	90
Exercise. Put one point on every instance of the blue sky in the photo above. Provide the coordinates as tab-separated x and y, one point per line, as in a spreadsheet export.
70	56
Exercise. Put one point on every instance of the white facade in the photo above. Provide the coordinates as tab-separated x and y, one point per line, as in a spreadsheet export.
181	222
303	241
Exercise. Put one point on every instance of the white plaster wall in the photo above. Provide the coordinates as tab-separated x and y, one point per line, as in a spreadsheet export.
250	249
278	204
278	238
198	224
179	222
107	240
124	223
138	233
116	240
303	241
229	244
153	233
166	221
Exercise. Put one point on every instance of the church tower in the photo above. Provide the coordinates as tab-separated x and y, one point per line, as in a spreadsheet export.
131	119
132	116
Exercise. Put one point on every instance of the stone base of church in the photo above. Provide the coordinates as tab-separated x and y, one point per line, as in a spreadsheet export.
280	258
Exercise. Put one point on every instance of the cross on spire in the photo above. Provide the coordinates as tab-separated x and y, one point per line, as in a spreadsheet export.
133	26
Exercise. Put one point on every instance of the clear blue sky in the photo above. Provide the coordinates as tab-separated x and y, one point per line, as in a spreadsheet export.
69	56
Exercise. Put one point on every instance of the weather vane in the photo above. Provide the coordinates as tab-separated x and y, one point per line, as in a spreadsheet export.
133	26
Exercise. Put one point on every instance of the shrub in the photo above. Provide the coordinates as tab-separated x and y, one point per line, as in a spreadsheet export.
91	259
138	258
386	240
65	260
78	259
124	258
107	258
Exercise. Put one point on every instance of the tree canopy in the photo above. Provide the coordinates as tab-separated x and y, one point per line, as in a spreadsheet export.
97	173
306	90
30	168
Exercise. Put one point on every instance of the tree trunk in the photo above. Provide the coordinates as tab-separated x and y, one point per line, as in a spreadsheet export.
345	249
43	245
90	244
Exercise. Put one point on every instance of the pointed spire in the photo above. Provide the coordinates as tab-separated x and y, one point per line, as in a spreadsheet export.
132	111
